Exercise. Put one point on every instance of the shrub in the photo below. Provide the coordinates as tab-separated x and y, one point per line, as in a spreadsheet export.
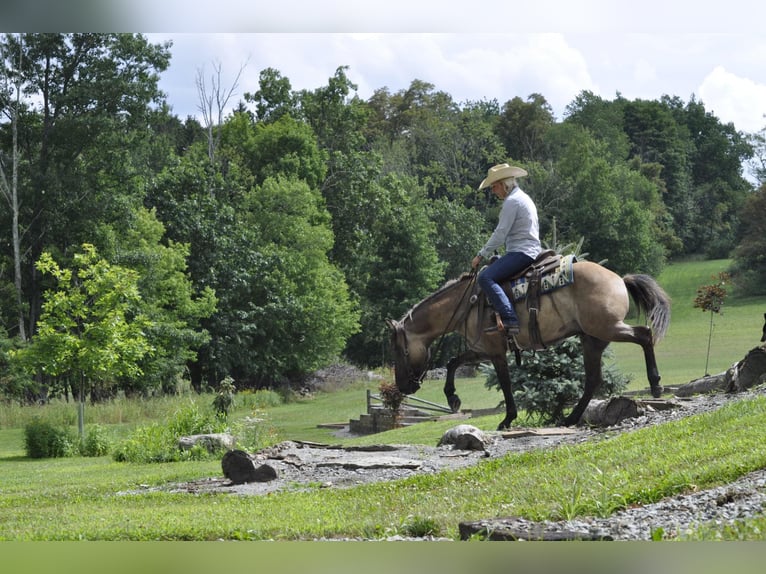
549	381
96	442
44	440
224	399
159	442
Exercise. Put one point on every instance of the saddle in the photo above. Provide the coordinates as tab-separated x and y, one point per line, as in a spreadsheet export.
545	263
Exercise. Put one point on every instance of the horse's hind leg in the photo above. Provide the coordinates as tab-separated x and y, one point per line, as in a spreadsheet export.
642	335
449	385
592	350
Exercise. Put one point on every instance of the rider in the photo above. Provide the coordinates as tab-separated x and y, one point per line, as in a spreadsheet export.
518	229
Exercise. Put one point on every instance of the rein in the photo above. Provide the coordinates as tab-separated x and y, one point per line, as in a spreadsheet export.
469	284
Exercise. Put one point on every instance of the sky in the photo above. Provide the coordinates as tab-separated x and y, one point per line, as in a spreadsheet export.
472	49
725	71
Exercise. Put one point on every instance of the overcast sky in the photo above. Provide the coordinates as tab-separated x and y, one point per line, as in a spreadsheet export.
726	71
472	49
476	49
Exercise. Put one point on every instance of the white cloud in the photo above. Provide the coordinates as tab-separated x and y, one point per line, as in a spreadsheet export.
735	99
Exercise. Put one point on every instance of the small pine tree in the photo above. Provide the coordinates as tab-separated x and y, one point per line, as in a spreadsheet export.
552	380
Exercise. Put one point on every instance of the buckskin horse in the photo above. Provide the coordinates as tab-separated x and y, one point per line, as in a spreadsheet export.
593	306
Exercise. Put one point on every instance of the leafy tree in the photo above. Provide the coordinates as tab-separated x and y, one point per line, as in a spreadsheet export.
168	299
711	298
87	99
522	127
402	265
749	266
90	331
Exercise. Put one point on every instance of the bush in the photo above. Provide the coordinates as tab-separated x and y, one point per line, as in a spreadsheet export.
96	442
159	442
44	440
552	380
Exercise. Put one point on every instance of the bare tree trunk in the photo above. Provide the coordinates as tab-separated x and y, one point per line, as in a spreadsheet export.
11	193
214	102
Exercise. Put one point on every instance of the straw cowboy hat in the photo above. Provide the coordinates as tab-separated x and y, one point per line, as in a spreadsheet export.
500	172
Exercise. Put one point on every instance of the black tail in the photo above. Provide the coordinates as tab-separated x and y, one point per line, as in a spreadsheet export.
652	300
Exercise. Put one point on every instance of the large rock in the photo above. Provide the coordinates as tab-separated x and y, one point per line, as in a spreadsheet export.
465	437
213	442
240	468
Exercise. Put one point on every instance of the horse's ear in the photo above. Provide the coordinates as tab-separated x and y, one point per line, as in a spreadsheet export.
391	324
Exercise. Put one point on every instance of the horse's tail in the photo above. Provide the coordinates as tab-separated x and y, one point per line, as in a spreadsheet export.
652	300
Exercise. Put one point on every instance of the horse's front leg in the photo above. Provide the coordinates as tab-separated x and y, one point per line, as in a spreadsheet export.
504	378
449	385
592	350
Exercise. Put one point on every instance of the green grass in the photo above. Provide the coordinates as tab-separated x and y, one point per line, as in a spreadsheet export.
682	354
98	499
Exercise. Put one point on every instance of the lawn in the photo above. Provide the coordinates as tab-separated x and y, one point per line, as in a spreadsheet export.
97	498
682	354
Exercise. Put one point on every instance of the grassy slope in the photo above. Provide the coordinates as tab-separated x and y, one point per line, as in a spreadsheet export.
79	497
681	356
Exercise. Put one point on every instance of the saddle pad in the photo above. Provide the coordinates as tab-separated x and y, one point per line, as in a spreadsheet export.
560	276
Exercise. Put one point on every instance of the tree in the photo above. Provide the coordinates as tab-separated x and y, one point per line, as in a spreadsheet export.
522	127
77	145
749	266
90	330
711	298
213	100
10	92
168	299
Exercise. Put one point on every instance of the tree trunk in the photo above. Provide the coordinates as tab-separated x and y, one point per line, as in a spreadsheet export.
610	412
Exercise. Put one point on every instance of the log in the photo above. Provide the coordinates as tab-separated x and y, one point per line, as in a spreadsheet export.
611	411
704	385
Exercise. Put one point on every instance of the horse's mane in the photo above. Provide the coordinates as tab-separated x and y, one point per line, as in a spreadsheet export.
450	283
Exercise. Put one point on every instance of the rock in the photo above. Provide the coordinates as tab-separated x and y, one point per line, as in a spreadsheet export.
611	411
240	468
465	437
212	442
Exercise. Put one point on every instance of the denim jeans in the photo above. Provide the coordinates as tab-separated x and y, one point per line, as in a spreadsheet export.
490	278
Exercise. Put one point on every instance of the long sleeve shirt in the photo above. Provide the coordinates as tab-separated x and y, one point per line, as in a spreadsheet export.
517	226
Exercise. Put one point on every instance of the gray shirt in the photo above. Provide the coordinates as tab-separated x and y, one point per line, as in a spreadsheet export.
517	226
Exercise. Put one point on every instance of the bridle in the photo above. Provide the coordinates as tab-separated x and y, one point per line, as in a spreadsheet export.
417	380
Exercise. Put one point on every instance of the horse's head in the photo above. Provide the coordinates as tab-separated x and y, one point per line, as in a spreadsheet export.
410	358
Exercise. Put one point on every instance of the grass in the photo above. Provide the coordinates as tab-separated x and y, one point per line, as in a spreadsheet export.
99	499
681	356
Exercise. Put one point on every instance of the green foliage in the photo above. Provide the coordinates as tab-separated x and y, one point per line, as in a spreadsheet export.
158	442
97	441
45	440
224	398
550	381
90	328
749	268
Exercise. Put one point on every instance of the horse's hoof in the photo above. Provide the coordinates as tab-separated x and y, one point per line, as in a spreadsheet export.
454	403
657	391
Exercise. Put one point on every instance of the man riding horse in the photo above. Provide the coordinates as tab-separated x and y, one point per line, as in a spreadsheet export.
518	230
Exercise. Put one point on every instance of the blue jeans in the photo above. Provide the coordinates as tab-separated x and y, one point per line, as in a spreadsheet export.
490	278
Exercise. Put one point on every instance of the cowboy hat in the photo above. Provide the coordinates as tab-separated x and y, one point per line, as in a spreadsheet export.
500	172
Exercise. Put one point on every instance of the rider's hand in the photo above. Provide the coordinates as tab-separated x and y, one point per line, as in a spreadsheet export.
476	261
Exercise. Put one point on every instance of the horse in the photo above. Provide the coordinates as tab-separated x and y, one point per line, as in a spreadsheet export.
763	335
593	306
